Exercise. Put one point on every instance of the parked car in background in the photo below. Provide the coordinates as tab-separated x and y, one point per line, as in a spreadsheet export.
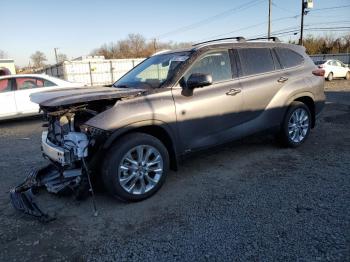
334	69
15	91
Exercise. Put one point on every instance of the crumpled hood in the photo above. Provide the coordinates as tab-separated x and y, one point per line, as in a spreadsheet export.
70	96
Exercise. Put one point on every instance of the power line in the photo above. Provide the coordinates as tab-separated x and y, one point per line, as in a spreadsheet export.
296	30
283	9
247	27
212	18
329	8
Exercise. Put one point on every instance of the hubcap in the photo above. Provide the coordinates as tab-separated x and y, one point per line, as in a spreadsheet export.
140	170
298	125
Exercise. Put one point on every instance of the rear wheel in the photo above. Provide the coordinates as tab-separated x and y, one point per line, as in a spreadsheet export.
136	167
330	76
347	76
296	125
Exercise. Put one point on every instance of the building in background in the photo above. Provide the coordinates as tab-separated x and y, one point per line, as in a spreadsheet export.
7	67
92	70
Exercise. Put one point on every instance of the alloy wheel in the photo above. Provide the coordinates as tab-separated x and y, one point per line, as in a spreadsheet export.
140	169
298	125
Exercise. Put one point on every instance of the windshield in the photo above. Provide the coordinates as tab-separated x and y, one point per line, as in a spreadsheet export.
153	72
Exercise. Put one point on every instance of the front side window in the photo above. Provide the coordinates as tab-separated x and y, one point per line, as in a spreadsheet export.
5	85
334	63
24	83
256	60
153	72
217	64
337	63
289	58
48	83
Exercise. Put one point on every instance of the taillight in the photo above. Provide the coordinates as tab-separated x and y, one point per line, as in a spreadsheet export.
318	72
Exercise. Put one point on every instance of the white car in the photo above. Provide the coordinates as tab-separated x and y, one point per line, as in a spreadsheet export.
334	69
15	91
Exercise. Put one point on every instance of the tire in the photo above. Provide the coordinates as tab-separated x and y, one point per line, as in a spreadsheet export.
123	164
296	130
330	76
347	76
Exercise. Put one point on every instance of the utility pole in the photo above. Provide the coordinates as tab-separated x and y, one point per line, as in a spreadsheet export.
302	22
55	49
155	45
269	25
308	4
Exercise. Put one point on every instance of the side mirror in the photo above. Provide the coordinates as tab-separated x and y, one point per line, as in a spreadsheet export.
199	80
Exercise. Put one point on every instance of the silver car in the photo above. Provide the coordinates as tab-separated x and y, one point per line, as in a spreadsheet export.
172	104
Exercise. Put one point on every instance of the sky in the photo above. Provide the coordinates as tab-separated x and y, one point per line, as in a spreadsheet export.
76	27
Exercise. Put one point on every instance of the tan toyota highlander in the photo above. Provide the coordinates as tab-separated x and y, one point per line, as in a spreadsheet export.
172	104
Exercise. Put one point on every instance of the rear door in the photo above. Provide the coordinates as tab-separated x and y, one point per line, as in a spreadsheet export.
260	78
341	70
25	86
7	98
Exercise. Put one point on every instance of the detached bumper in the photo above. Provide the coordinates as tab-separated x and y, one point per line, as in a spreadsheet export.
22	196
56	181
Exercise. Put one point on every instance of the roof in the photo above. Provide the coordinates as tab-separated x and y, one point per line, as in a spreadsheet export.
55	80
28	75
229	43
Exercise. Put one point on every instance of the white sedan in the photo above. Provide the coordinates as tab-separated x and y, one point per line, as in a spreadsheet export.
334	69
15	91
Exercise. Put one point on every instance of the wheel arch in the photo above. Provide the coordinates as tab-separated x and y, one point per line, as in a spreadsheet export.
155	128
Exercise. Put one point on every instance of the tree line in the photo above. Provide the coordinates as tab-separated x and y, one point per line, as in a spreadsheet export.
137	46
327	44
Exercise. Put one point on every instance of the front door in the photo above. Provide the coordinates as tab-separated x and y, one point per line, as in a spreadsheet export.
206	116
7	99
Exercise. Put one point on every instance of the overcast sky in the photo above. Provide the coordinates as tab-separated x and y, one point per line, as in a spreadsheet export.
76	27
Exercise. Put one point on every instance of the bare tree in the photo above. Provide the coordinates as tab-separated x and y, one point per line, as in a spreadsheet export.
134	46
137	44
62	57
38	59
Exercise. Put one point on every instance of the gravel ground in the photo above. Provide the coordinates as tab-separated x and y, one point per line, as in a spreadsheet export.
250	200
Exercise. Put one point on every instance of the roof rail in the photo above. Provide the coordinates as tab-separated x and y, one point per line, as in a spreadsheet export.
238	39
273	38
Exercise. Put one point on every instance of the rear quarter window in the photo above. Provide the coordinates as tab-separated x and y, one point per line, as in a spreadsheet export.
288	58
256	60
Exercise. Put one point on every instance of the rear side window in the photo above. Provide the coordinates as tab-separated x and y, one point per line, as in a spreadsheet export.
256	60
5	85
288	58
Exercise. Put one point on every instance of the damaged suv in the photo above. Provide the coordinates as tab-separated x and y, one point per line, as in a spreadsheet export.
172	104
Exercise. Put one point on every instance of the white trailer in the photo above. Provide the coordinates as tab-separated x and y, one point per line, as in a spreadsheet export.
92	70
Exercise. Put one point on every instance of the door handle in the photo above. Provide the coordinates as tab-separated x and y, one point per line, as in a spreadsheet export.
282	79
233	91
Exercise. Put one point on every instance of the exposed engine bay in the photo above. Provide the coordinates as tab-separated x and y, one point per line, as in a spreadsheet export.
71	148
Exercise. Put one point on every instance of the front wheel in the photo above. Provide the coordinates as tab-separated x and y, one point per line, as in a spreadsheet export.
347	76
296	125
136	167
330	77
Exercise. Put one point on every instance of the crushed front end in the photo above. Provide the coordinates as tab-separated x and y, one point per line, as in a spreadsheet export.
71	149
